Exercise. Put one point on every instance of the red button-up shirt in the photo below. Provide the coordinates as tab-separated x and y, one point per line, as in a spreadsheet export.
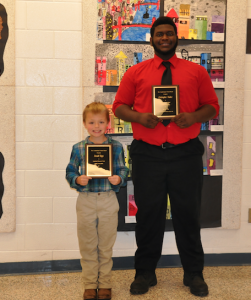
195	90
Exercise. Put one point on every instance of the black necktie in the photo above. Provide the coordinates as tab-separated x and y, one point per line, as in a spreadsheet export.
166	80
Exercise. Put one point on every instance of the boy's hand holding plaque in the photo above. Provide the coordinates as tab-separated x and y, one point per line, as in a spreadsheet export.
165	101
98	160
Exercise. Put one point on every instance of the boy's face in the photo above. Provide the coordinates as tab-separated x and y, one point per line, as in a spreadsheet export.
96	124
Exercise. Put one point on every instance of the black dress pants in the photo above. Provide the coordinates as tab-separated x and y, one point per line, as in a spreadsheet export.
176	171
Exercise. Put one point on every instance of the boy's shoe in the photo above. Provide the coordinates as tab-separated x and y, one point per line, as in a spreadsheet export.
142	282
196	282
105	294
90	294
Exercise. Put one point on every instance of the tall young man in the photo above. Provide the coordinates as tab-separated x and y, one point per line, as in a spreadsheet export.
167	159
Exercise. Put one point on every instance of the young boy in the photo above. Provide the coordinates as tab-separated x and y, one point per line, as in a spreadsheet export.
97	205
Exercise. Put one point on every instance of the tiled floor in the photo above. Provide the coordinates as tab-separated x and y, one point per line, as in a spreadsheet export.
225	283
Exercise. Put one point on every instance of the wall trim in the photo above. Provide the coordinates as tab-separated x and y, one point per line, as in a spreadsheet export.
119	263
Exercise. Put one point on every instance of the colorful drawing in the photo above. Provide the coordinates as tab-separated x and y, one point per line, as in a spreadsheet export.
121	57
197	18
117	125
218	24
113	60
128	20
137	58
205	171
193	34
1	183
110	128
172	14
206	61
211	153
195	59
209	56
217	68
126	142
184	21
129	161
111	77
101	71
168	209
4	34
201	26
207	125
132	207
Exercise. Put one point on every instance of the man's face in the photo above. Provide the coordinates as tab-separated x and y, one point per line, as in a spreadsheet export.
164	40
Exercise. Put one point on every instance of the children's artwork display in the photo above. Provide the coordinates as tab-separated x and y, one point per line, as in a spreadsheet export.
113	60
210	56
116	125
211	153
199	20
124	27
126	20
212	157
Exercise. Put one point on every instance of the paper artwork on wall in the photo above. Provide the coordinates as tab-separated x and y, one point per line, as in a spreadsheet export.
197	19
126	143
211	153
126	20
4	33
116	125
210	56
168	209
113	60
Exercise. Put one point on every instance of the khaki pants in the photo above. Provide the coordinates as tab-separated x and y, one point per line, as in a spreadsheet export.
97	221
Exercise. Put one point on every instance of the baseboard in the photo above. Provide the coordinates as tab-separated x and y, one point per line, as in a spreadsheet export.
119	263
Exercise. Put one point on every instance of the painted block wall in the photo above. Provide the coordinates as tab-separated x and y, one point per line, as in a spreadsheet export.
49	101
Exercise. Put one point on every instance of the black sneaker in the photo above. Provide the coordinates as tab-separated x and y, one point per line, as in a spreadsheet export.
142	282
196	282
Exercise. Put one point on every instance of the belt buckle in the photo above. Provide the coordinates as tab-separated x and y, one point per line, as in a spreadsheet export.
163	147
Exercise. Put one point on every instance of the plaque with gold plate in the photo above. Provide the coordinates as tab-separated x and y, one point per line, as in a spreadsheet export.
98	160
165	101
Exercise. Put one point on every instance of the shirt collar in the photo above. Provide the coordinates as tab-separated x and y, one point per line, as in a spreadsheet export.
108	141
158	61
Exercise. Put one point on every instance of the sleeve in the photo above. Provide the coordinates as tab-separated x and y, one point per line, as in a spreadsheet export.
119	165
206	91
126	91
72	169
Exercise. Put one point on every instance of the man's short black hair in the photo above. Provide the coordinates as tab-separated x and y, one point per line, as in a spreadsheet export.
163	20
